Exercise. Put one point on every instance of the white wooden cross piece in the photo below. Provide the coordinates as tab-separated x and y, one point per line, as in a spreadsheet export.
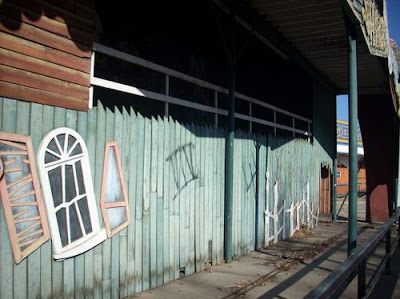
274	215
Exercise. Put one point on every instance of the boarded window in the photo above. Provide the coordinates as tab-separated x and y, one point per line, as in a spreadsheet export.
114	201
68	193
21	196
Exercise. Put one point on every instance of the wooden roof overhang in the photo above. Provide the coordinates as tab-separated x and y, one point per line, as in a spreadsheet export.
313	32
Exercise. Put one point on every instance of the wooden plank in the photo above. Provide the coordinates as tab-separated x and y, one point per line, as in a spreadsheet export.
69	265
97	172
107	246
41	96
132	195
222	192
38	66
153	203
115	241
146	205
37	81
178	236
45	250
139	207
91	147
41	21
32	49
36	127
218	195
196	207
166	203
160	203
153	240
20	271
192	185
124	141
203	160
7	262
79	261
213	196
183	202
206	194
43	37
171	199
57	284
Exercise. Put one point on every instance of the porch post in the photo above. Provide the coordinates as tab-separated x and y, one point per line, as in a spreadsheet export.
229	146
353	158
334	189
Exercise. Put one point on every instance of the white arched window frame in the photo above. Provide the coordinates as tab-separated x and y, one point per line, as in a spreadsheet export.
68	193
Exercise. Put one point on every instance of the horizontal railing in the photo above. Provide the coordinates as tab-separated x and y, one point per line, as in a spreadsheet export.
339	279
167	99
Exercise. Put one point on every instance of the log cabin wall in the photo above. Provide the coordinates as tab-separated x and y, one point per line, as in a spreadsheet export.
45	51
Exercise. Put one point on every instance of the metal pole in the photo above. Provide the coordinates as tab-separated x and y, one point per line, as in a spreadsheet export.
230	137
334	191
353	159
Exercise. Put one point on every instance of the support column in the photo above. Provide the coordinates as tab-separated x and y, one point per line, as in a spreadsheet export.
353	158
229	147
334	190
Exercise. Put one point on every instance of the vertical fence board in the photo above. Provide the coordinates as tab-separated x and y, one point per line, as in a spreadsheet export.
139	207
178	237
58	266
153	204
107	244
91	147
160	204
79	261
69	267
131	165
36	125
117	131
21	272
146	205
124	141
166	199
45	250
97	171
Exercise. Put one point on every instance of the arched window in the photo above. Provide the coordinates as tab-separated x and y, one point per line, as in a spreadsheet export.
68	192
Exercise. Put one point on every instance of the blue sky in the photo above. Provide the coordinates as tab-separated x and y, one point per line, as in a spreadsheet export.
393	9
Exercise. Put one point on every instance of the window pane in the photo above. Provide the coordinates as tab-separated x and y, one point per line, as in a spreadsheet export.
84	209
70	191
113	191
79	176
62	226
116	216
56	185
61	140
74	224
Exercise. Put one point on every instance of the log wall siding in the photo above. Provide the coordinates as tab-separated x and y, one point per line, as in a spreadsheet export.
45	51
174	176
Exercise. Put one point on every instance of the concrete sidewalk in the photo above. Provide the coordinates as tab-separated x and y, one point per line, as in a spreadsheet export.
288	269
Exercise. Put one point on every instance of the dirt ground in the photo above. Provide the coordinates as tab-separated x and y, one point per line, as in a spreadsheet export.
342	205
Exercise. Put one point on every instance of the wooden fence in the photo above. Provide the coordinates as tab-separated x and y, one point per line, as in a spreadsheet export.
174	175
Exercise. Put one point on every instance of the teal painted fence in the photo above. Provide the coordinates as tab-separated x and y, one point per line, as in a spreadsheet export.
174	176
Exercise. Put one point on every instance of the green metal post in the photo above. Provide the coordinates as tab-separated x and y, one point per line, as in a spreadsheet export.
353	158
229	146
334	191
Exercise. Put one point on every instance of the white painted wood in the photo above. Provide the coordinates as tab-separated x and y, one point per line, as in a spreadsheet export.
65	157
